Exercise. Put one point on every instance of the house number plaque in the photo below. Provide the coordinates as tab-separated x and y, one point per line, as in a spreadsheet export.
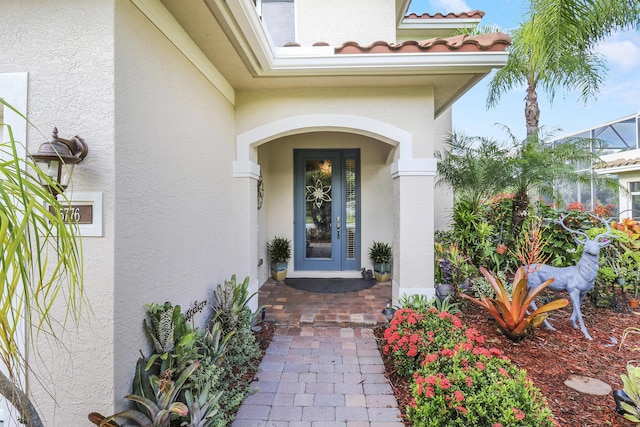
77	214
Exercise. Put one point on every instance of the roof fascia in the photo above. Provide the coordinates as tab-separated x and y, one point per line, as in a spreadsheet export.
617	169
167	24
322	61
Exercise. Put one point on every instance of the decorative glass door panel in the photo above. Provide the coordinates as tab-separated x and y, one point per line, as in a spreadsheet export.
326	210
319	208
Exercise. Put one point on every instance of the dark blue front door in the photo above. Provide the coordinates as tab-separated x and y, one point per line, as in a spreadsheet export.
327	217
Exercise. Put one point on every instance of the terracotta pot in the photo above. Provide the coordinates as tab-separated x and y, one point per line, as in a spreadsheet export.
633	303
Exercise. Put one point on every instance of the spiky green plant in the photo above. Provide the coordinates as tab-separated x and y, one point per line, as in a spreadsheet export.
631	388
40	261
158	408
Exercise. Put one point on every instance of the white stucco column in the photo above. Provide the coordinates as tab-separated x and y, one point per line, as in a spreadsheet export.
413	190
245	209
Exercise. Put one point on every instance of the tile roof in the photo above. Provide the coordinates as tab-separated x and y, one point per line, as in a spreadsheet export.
496	42
618	163
474	14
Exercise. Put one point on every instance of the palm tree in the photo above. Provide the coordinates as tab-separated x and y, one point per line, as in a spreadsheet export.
474	167
554	48
478	168
40	260
542	166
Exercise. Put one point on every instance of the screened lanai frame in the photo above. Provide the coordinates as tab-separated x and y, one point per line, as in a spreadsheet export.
612	137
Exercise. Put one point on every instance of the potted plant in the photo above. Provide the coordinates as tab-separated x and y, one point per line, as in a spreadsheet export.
380	253
279	249
633	284
444	278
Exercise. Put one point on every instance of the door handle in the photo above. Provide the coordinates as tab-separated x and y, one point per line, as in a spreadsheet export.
338	227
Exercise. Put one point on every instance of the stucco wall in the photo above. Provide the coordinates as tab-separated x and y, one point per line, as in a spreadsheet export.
408	108
625	179
443	195
66	47
276	161
338	21
175	237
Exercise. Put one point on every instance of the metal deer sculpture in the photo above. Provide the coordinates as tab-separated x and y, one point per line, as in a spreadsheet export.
577	279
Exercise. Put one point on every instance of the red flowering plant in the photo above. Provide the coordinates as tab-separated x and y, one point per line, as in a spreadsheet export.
575	206
470	385
411	335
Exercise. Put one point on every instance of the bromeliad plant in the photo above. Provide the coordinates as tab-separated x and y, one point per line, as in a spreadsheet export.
512	314
631	388
158	408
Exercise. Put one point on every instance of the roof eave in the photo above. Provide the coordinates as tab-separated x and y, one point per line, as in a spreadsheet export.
268	60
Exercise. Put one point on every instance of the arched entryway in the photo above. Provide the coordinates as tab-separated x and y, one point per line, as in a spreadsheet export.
387	167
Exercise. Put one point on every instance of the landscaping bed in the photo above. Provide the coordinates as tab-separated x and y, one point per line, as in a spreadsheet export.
550	357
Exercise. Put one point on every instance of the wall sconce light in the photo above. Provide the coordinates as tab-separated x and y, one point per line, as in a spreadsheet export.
388	312
57	159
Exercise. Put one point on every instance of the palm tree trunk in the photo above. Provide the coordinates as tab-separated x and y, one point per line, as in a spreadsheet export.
519	212
28	414
531	110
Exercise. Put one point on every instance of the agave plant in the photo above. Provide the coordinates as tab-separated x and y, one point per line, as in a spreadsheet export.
512	313
157	408
202	408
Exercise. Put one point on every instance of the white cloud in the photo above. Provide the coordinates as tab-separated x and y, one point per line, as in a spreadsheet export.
446	6
621	50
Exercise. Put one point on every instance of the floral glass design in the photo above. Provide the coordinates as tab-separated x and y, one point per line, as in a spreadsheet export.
318	193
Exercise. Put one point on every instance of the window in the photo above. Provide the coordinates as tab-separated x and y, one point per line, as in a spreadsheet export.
279	18
634	189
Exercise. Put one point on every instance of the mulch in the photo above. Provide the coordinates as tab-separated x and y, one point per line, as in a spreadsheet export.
550	357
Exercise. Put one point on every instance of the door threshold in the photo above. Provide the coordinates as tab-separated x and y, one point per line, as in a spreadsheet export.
321	274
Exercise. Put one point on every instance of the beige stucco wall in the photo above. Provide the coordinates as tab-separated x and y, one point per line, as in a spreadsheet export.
443	195
625	179
338	21
175	222
408	108
66	47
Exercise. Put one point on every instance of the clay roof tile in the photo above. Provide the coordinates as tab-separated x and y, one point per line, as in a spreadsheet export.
474	14
618	163
462	43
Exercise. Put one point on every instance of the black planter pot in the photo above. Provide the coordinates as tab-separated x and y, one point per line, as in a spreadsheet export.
620	396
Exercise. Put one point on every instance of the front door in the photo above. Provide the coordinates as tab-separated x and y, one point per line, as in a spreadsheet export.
327	210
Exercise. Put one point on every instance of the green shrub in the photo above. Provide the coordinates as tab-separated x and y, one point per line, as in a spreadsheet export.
421	304
474	386
232	312
412	335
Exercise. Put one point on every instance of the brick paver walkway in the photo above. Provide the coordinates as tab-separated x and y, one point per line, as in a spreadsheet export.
321	377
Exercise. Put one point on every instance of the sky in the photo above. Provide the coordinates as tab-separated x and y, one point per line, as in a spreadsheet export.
618	97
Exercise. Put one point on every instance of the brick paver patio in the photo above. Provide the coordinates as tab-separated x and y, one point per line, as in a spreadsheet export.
323	367
321	377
